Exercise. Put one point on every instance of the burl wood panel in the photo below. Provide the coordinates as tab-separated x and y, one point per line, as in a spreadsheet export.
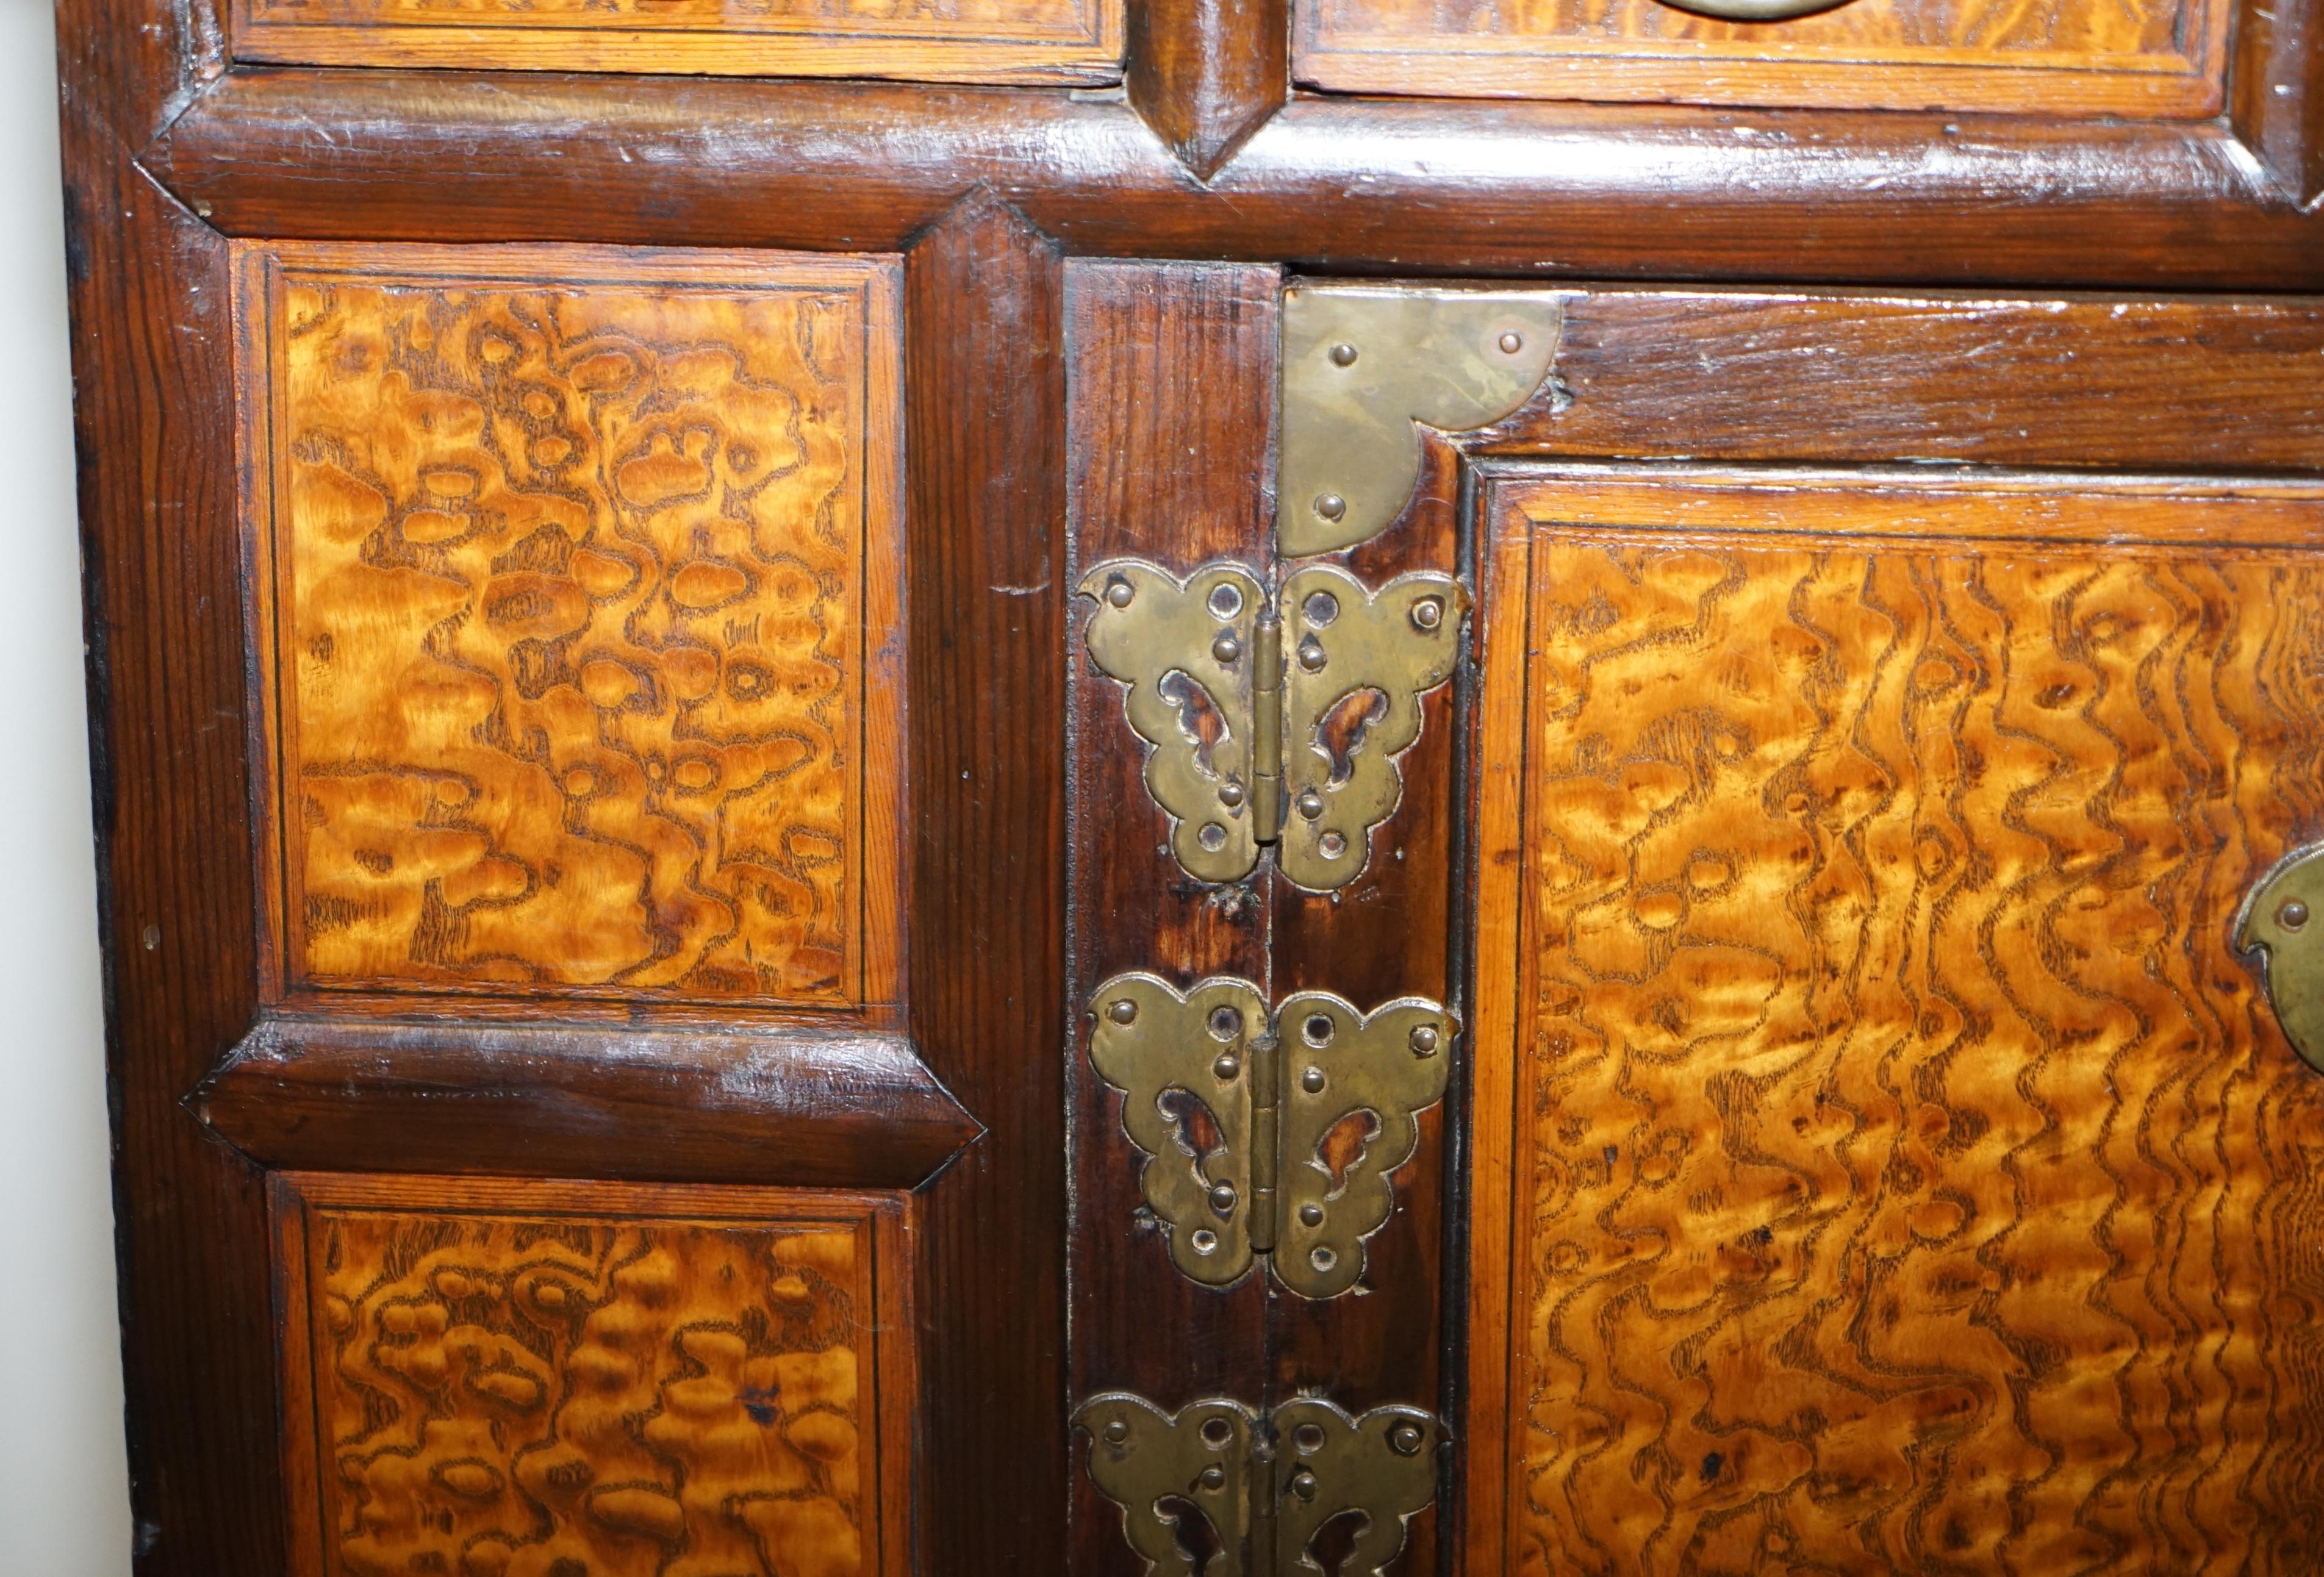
489	1380
1901	1175
577	605
928	41
2074	58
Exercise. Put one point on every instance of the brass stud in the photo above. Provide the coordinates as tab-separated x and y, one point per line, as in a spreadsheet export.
1512	342
2292	915
1231	794
1118	1431
1311	1215
1406	1439
1226	648
1427	614
1423	1040
1344	355
1310	803
1214	1477
1119	593
1228	1068
1311	655
1122	1011
1331	505
1311	1080
1303	1484
1222	1197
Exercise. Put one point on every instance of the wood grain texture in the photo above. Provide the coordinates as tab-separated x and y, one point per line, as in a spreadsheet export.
1906	1176
985	442
2077	58
660	1104
1170	376
581	616
930	40
487	1380
1207	73
1577	191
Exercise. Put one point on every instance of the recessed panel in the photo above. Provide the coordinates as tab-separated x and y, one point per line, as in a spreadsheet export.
1885	1163
489	1379
576	585
936	41
2077	58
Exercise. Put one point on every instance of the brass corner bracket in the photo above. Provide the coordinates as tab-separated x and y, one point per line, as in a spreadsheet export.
1277	1087
1267	1481
1365	367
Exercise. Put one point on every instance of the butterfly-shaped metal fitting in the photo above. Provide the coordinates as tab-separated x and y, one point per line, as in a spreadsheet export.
1265	1483
1273	717
1287	1176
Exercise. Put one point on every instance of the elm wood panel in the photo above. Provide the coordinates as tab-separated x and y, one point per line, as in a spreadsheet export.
1906	1176
2082	57
954	41
150	289
578	596
484	1379
2223	384
1207	73
986	552
1170	376
1355	185
541	1101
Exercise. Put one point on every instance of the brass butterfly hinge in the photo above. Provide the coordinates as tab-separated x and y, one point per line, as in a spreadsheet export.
1366	367
1266	1483
1309	1111
2282	921
1273	717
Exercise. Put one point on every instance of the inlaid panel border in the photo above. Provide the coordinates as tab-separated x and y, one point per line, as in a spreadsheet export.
1632	502
884	1225
879	824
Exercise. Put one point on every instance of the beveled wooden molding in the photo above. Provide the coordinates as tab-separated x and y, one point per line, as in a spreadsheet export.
2276	92
1206	74
1356	185
562	1100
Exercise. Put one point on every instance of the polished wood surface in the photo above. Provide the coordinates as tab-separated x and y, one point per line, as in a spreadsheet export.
1903	1175
2076	58
580	603
1365	185
485	1379
948	41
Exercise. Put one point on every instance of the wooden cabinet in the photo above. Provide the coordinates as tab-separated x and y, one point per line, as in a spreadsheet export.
697	989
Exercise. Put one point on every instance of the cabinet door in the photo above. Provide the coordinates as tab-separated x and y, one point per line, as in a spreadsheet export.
1887	1156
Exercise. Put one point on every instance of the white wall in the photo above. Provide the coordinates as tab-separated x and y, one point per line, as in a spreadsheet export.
64	1503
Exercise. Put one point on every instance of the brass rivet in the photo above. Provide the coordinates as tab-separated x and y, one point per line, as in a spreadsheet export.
1311	1080
1217	1432
1311	1215
1119	593
1214	1477
1303	1484
1321	608
2292	915
1331	505
1225	1022
1423	1040
1122	1010
1226	648
1118	1431
1512	342
1205	1242
1308	1438
1226	600
1311	804
1324	1258
1332	845
1222	1197
1231	794
1427	614
1406	1439
1213	836
1227	1067
1311	655
1344	355
1319	1029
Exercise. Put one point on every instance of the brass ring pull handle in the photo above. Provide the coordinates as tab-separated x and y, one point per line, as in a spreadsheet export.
1755	10
2282	920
